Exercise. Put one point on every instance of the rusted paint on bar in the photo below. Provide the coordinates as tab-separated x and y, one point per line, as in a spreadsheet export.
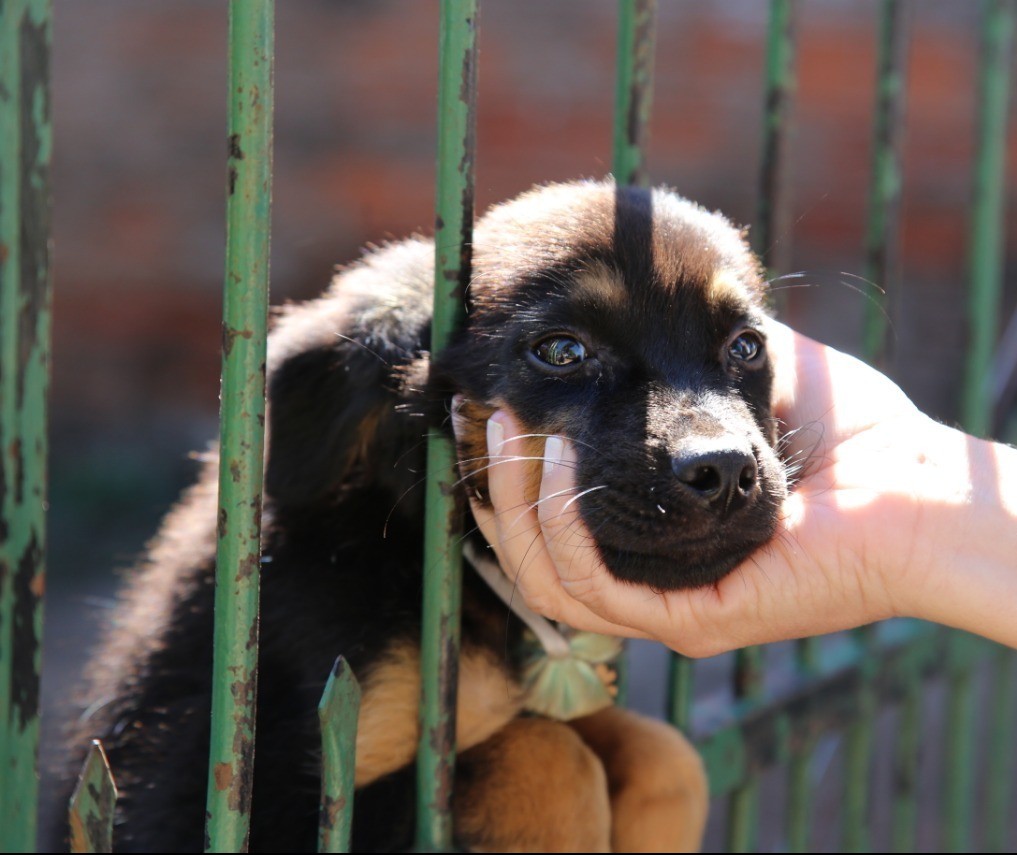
337	718
633	89
25	295
92	805
440	630
242	425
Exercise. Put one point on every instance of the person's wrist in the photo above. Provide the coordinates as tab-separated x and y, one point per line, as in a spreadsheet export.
965	536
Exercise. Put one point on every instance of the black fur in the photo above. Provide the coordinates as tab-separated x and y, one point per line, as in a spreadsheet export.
350	398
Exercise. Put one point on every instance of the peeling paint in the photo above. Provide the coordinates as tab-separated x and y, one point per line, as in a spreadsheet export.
25	647
230	335
17	460
249	566
223	776
233	147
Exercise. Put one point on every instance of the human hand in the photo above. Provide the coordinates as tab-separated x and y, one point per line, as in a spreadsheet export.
881	507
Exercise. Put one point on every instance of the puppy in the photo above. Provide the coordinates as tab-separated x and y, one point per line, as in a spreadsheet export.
627	320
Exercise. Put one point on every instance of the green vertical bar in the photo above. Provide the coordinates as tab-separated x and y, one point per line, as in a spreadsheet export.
885	182
778	87
743	806
799	812
999	797
958	797
680	683
904	821
778	90
986	268
858	748
880	244
92	804
242	425
442	553
25	295
799	800
337	718
633	89
633	96
985	262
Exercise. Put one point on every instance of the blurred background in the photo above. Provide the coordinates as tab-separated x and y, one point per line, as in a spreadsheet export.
139	187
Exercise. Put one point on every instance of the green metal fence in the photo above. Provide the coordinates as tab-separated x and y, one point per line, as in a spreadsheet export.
834	688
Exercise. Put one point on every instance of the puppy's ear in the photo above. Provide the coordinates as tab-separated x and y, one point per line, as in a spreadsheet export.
330	409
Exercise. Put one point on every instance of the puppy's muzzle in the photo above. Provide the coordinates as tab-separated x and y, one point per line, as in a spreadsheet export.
719	474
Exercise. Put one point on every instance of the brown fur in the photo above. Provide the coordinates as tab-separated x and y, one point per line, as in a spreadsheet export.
388	728
533	787
656	780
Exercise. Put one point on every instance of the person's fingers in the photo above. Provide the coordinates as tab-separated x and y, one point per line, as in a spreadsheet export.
513	528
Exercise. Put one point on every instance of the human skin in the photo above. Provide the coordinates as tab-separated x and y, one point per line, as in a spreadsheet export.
892	514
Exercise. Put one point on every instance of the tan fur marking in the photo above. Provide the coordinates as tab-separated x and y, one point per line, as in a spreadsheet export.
367	430
724	287
533	787
601	285
659	792
388	728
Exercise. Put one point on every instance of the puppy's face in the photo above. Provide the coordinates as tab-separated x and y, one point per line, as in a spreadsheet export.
630	322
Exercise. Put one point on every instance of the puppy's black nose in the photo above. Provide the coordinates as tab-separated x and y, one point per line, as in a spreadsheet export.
725	478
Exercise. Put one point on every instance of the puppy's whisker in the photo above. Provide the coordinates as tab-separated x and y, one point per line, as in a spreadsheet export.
363	346
863	279
493	463
793	285
573	440
576	498
873	300
798	274
556	495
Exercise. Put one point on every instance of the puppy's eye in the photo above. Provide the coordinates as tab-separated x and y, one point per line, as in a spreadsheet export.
746	347
560	351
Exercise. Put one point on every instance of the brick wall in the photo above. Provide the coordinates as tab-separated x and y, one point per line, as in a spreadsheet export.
139	171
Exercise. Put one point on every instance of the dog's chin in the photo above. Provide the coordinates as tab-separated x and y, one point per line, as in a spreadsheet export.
695	567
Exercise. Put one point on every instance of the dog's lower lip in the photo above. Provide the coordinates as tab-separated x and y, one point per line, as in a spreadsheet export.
692	564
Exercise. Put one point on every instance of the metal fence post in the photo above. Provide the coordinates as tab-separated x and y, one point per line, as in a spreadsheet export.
25	291
241	446
442	547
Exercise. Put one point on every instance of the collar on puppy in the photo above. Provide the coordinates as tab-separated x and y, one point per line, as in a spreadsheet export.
566	673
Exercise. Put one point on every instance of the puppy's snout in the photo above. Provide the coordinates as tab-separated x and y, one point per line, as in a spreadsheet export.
726	479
